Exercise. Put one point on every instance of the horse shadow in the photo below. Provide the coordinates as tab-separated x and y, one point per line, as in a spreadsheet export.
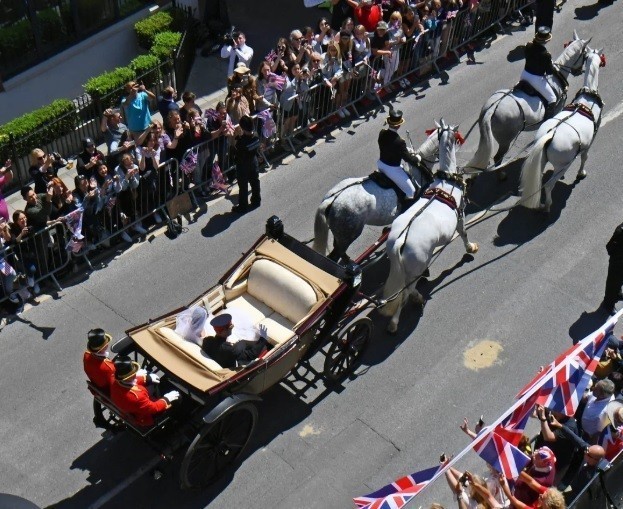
522	225
587	12
487	187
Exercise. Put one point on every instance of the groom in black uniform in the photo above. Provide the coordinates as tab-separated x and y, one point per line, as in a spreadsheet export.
393	149
247	167
539	68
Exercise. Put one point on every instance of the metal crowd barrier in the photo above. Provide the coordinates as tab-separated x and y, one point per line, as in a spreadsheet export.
605	489
40	255
122	212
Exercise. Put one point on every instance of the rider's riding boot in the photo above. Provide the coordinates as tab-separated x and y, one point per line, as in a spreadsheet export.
550	109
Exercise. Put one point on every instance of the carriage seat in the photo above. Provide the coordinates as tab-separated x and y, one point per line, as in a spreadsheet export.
192	349
275	297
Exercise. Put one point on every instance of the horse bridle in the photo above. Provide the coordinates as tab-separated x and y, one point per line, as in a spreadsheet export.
572	69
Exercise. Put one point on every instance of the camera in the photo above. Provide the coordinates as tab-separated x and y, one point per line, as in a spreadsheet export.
463	479
228	37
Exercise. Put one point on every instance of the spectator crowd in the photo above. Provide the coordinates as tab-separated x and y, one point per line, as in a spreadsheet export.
314	74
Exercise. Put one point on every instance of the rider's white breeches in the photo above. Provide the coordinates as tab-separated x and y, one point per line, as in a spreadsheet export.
541	84
399	177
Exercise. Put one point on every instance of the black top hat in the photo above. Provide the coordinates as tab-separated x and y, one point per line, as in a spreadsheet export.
543	34
125	368
221	322
97	339
395	118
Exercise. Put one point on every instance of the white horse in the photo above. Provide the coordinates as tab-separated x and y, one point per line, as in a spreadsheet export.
356	202
430	223
561	139
509	112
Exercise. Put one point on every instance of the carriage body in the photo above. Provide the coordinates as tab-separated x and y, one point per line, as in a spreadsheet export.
300	296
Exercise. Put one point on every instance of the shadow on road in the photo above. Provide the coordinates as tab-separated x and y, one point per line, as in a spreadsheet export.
586	12
588	322
522	225
218	223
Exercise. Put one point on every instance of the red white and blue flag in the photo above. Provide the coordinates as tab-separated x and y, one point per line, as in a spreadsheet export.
501	454
399	493
512	427
570	382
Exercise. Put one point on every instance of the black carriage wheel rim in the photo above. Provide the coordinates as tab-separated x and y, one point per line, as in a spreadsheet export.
344	354
219	447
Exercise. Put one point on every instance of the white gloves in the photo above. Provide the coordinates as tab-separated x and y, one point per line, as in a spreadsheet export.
263	331
153	378
172	396
141	372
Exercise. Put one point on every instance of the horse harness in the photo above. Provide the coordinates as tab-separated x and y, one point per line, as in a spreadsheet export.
439	194
583	109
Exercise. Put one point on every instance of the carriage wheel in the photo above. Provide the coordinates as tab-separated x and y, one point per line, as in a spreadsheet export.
217	446
104	418
346	350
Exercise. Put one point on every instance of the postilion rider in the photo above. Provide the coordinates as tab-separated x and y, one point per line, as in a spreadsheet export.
393	149
539	68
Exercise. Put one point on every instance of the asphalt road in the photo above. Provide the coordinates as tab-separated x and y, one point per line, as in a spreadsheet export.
489	323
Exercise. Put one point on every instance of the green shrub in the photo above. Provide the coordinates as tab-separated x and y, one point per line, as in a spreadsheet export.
165	44
16	39
147	29
146	69
107	89
39	127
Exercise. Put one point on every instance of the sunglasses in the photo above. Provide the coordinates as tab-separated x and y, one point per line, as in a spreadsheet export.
297	38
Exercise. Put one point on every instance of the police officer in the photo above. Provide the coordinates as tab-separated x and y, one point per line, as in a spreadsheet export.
247	167
539	68
614	279
132	397
98	367
393	149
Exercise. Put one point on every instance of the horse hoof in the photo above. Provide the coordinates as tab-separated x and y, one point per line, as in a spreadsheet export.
392	328
418	300
581	175
472	248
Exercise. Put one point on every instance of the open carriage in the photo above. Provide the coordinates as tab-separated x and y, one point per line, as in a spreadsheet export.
306	302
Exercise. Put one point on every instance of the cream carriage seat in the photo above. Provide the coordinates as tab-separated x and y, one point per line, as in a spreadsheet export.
190	348
276	298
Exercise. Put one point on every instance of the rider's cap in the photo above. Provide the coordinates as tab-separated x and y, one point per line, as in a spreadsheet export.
97	339
395	118
543	34
221	322
125	368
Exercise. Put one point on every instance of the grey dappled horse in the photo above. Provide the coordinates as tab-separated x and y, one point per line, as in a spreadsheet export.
507	113
562	138
356	202
428	224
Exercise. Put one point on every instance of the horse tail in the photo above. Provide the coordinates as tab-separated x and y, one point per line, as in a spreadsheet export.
532	172
481	158
395	281
321	228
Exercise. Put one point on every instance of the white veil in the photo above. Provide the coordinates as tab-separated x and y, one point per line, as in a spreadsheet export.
191	324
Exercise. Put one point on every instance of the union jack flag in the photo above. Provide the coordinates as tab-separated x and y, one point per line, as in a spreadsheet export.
512	427
5	268
501	454
399	493
612	441
276	81
570	382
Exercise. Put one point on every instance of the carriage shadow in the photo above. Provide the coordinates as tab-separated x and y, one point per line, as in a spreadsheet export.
522	225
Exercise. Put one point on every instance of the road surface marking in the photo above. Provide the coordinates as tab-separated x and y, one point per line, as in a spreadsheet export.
612	114
483	354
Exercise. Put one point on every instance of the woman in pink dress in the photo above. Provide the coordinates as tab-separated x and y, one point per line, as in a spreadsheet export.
6	175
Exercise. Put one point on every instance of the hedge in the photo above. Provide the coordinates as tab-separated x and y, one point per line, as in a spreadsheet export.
146	68
147	29
165	44
105	85
39	127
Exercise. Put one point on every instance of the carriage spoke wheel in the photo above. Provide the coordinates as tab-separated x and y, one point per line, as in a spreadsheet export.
104	418
217	446
345	352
